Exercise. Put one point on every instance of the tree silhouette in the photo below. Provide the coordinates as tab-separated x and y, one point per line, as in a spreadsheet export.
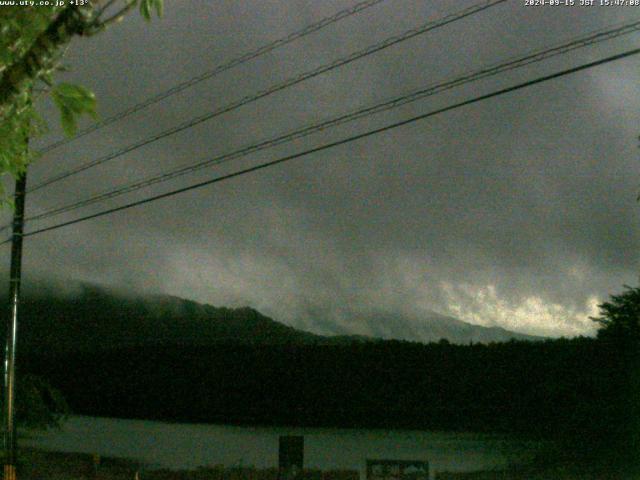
620	318
620	335
41	405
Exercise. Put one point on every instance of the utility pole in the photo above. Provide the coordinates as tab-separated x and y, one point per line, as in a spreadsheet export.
12	330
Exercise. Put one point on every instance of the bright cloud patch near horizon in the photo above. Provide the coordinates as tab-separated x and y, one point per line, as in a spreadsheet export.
483	305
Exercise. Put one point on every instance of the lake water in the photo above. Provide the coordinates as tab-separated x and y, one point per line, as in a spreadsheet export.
158	444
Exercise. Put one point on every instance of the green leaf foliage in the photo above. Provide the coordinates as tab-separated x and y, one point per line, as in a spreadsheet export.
146	6
22	27
21	122
19	28
72	101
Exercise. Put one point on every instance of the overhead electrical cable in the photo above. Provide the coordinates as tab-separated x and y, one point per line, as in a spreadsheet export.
343	141
234	62
432	25
492	70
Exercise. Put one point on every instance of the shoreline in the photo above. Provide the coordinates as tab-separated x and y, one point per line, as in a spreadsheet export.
38	464
483	434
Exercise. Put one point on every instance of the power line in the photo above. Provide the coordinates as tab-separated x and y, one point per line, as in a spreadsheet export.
492	70
278	87
340	142
234	62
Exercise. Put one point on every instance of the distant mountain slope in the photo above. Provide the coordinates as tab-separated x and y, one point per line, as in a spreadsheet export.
432	327
102	318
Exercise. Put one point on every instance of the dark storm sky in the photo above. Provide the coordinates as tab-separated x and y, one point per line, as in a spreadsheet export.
518	211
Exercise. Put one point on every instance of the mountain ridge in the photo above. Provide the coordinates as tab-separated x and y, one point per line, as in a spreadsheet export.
98	317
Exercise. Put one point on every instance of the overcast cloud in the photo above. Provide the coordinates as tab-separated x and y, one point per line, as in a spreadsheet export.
519	211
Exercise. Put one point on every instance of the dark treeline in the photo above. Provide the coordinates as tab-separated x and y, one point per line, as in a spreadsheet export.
538	388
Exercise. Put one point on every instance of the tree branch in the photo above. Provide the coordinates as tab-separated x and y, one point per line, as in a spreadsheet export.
72	20
116	17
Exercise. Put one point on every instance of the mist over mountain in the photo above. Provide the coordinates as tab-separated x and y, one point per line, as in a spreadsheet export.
430	327
89	317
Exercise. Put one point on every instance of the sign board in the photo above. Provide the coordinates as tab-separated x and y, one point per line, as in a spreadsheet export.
397	470
291	457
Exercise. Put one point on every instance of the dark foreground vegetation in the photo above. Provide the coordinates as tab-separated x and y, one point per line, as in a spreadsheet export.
41	465
535	388
556	472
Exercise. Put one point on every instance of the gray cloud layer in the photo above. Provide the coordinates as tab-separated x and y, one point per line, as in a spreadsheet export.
518	212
